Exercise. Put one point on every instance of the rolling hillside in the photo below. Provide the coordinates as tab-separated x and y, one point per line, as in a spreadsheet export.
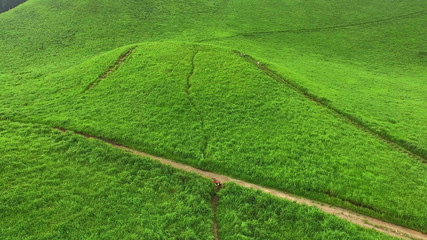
323	99
62	186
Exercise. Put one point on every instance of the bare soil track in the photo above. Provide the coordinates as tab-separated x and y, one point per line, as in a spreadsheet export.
215	200
358	219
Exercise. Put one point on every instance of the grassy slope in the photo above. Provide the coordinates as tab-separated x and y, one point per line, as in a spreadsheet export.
41	51
246	214
141	104
62	186
262	131
374	72
257	129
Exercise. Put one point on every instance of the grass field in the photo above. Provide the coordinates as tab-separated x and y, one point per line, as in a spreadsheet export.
246	214
374	72
162	77
226	116
63	186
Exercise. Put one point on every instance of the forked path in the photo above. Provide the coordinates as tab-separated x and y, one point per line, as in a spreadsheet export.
358	219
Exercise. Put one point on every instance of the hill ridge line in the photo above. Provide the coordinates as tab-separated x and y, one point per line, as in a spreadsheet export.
340	26
348	215
316	29
337	112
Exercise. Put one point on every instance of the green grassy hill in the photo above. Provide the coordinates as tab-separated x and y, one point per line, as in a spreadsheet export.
162	77
179	101
63	186
370	64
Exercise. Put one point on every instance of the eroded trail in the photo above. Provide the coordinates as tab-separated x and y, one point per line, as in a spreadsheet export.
337	112
193	105
113	68
358	219
214	202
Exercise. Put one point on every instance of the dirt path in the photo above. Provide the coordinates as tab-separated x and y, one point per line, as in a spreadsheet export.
337	112
214	203
358	219
215	200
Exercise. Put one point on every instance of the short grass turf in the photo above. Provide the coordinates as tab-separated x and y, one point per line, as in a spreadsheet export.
211	108
63	186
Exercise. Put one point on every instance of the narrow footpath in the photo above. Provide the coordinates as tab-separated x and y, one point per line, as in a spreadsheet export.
355	218
214	202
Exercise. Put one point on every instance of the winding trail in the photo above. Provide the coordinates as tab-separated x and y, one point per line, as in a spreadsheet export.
336	111
358	219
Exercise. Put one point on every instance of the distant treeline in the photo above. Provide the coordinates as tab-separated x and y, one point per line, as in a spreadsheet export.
9	4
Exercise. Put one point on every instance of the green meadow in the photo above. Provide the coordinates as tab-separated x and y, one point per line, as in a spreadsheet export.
63	186
58	185
246	214
164	77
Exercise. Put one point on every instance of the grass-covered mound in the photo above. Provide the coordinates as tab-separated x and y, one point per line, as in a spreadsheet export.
63	186
366	58
211	108
61	64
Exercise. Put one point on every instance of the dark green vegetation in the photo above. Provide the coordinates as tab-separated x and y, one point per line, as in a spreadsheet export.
246	214
186	100
6	5
63	186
